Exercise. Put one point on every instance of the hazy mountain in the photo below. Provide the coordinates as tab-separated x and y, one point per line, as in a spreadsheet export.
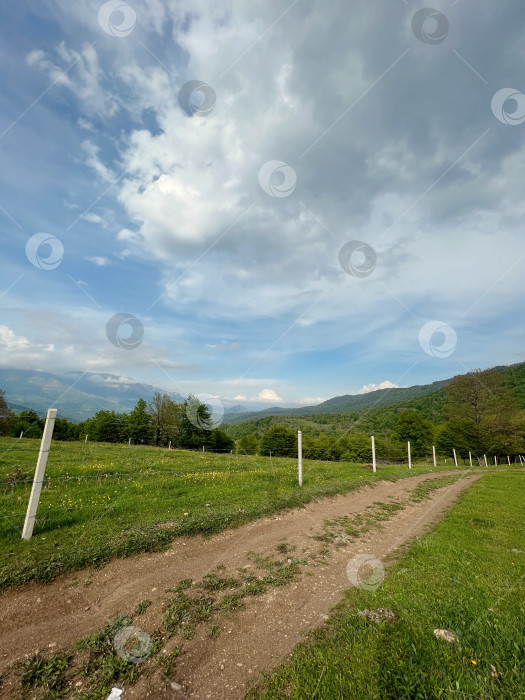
76	395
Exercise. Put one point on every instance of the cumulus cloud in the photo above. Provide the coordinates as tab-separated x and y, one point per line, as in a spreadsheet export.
392	142
268	395
10	341
375	387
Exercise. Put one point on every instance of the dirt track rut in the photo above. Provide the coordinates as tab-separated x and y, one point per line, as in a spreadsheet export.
253	639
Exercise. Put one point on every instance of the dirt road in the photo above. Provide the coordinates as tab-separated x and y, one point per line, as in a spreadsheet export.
43	617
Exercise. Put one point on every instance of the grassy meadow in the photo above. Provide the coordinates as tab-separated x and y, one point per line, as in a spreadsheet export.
102	500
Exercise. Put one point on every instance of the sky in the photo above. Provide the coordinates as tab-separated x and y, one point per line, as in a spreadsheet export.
271	203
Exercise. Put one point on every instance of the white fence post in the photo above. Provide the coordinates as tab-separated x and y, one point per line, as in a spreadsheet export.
85	440
409	456
434	456
39	474
470	458
486	464
300	456
374	463
455	457
508	460
495	461
21	435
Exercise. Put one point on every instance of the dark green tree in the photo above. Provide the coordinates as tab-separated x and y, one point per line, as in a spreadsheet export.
7	417
64	430
483	414
419	431
139	424
280	441
28	422
106	426
248	444
166	419
357	447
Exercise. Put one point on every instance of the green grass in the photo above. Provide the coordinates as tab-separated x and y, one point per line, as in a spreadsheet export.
461	577
101	501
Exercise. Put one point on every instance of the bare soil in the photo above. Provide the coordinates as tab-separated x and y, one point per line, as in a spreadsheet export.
47	617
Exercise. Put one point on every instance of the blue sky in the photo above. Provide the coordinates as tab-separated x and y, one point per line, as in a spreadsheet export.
221	232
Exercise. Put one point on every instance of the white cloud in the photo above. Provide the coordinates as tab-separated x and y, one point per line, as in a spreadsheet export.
92	218
240	397
268	395
311	401
375	387
10	341
78	72
92	159
99	260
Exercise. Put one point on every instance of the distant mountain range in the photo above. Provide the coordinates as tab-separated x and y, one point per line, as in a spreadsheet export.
79	395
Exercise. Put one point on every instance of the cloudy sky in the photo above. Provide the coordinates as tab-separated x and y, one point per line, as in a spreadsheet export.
271	202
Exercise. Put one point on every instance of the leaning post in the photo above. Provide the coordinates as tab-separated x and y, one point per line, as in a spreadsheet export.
300	456
39	474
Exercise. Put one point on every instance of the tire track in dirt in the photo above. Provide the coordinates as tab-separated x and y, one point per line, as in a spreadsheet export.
253	639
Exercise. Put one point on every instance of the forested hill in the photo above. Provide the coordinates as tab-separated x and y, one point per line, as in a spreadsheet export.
373	416
346	404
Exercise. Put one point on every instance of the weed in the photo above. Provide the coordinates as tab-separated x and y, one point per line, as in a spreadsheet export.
46	674
212	582
215	631
142	607
182	613
167	663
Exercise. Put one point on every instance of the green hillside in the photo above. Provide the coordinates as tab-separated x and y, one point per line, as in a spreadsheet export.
345	404
374	413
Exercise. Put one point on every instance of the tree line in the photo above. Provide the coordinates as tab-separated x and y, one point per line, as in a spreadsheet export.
479	413
159	422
